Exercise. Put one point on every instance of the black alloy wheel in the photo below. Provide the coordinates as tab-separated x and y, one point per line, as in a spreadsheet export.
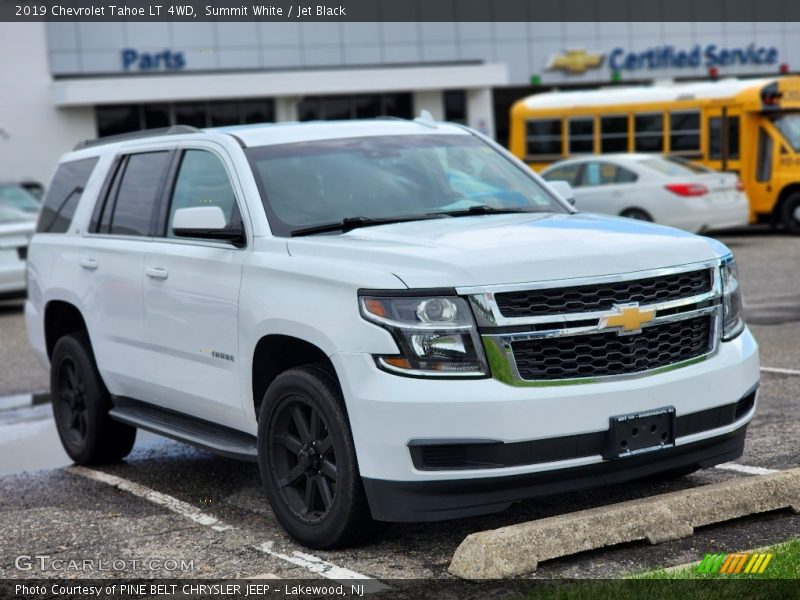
303	459
71	407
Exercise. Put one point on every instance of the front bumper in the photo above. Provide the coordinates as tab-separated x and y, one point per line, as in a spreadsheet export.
387	412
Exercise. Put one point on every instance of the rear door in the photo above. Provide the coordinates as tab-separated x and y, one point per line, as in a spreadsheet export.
604	187
111	267
191	296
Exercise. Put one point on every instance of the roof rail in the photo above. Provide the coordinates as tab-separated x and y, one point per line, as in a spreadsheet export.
135	135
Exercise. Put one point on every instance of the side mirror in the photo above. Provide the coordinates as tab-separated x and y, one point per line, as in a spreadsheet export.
563	189
206	222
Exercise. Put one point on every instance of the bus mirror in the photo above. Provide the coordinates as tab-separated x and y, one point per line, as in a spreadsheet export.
564	190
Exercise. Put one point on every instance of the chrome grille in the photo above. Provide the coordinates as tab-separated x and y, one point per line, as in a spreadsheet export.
603	296
605	354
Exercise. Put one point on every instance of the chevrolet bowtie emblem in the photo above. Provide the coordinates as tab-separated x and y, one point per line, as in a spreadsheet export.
629	318
575	61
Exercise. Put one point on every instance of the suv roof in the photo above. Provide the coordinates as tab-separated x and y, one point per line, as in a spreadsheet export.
263	134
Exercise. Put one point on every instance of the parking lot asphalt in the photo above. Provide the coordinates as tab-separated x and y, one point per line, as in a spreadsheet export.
212	511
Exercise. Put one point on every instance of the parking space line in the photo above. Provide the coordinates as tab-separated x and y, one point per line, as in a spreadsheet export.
322	567
177	506
309	562
781	371
731	466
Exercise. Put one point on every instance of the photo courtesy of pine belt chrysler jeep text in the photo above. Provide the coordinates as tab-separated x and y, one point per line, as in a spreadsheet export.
397	320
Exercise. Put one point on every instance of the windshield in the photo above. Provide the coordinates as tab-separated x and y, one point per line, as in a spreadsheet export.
399	177
16	197
673	167
789	126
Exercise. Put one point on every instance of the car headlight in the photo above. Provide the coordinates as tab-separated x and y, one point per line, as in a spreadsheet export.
732	320
436	335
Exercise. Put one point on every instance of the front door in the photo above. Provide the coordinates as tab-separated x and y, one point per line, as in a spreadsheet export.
191	299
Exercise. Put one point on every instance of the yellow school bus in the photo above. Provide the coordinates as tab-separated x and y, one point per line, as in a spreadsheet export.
750	127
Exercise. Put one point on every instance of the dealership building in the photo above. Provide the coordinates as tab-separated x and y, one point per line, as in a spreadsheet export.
64	82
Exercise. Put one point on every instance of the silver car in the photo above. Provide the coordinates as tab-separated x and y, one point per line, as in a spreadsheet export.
666	190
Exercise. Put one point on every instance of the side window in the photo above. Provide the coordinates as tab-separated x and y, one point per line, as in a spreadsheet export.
544	137
603	173
715	138
614	134
581	136
684	132
62	198
648	133
764	165
203	181
568	173
132	203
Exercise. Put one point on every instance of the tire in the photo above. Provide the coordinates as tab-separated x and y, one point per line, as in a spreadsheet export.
308	462
636	213
790	214
80	406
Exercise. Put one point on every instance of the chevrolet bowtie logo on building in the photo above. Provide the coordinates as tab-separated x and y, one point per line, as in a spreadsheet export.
629	318
575	61
733	564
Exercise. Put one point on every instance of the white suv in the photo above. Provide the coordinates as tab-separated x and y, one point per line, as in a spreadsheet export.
397	320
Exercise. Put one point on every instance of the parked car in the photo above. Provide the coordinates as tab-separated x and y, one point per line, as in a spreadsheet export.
668	190
35	188
397	320
14	196
16	228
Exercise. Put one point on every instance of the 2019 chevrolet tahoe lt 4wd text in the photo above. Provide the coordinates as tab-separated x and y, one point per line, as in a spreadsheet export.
397	320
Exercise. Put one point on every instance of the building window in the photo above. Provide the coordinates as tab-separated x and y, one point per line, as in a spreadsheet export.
544	137
455	106
614	134
648	133
715	138
684	132
581	136
363	106
116	119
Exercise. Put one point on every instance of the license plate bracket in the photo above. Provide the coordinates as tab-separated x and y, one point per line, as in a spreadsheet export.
639	433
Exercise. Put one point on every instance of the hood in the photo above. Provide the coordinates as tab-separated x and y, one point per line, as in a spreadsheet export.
516	248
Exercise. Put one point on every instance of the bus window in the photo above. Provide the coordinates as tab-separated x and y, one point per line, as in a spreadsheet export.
684	131
581	136
614	134
715	138
544	137
789	126
648	132
764	164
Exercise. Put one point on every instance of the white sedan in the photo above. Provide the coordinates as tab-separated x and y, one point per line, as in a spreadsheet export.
666	190
16	228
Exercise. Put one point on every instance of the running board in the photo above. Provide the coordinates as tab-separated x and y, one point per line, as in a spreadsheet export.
216	438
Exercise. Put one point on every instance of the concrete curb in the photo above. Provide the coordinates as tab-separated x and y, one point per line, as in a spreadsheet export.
16	401
518	549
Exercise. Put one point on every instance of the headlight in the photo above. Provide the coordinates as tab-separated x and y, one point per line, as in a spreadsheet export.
732	320
436	335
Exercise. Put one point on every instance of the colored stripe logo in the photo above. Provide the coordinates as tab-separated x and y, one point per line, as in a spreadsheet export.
733	564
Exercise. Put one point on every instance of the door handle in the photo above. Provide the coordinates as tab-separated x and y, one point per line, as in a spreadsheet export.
89	263
156	273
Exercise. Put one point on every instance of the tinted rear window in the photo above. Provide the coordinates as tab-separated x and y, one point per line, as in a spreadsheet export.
62	198
134	209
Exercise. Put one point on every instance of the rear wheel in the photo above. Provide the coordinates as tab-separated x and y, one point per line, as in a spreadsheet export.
81	404
308	463
636	213
790	214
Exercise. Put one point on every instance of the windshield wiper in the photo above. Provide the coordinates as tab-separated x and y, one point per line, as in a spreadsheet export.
351	223
483	209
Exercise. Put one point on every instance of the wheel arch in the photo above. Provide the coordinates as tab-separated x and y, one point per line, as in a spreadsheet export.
61	318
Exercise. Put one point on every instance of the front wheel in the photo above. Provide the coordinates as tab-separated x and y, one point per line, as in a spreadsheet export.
790	214
308	462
